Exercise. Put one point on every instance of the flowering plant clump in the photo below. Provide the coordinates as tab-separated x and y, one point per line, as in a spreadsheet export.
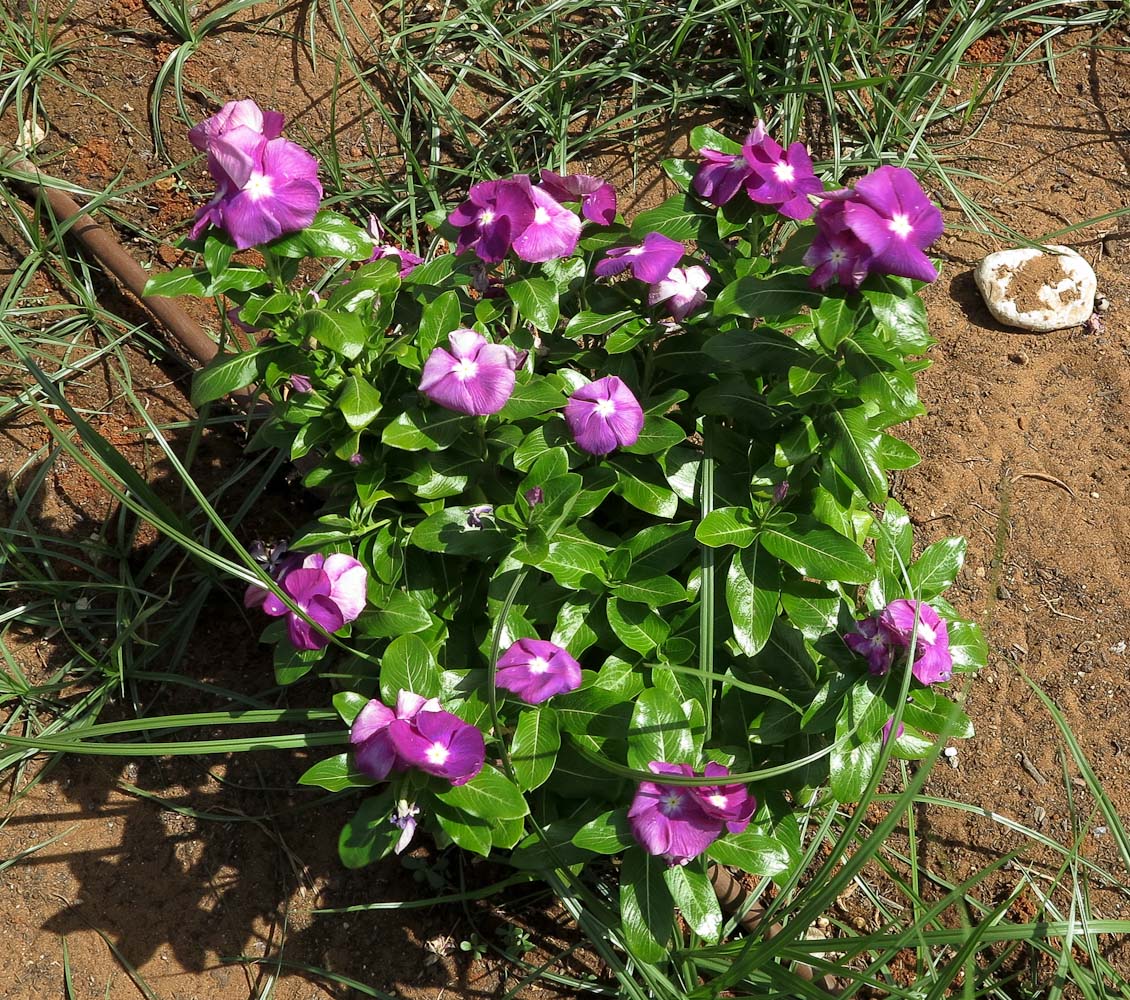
607	562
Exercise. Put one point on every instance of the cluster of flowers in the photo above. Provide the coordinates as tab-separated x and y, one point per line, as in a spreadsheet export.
899	626
266	186
882	225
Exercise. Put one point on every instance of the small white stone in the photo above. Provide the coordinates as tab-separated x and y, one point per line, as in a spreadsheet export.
1037	291
30	136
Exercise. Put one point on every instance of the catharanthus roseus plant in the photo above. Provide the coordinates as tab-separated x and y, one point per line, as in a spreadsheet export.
607	563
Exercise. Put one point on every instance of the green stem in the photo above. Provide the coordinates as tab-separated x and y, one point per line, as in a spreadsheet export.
706	593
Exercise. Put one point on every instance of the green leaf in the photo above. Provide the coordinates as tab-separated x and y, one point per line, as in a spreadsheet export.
654	591
641	484
937	568
811	607
851	766
761	350
533	751
834	322
401	613
489	795
573	630
636	625
368	835
574	560
448	531
658	435
930	711
660	730
440	317
751	852
348	705
902	318
726	526
609	833
678	218
646	906
533	394
292	664
855	450
777	296
897	454
432	429
335	774
696	899
329	235
594	714
179	281
752	590
967	646
238	279
660	548
816	551
705	137
358	402
595	324
228	372
469	832
536	299
342	332
408	665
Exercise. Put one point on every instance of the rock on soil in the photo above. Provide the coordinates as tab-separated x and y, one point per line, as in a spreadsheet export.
1037	291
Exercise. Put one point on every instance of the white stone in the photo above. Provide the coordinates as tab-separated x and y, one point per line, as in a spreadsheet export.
1037	291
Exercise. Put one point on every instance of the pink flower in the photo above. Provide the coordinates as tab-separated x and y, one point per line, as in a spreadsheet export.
437	742
266	187
597	196
374	752
552	233
603	416
682	290
721	176
836	253
650	261
536	670
330	591
475	377
408	260
679	822
880	640
780	177
493	216
236	114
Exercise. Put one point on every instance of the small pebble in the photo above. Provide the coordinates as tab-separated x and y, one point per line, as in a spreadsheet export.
1018	358
1094	496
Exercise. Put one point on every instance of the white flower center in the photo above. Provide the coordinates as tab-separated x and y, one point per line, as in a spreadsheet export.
605	408
258	186
486	218
837	256
538	665
900	225
784	172
634	252
466	369
718	800
926	634
670	803
541	216
437	754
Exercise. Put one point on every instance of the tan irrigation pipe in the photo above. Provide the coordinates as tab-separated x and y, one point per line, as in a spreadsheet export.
195	343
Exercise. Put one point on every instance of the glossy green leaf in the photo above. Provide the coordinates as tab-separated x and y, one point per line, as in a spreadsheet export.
536	299
660	730
368	835
752	852
358	402
636	625
855	450
408	665
726	526
342	332
335	774
489	795
757	297
609	833
533	750
816	551
937	568
752	590
696	899
646	906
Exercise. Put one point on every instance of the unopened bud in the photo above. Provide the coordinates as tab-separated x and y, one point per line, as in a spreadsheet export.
781	491
535	495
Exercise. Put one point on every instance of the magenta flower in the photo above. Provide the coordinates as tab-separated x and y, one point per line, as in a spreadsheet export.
493	216
732	805
553	233
836	253
536	670
682	290
881	639
404	817
373	749
721	176
265	187
780	177
651	261
887	730
330	591
233	115
890	214
603	416
408	260
597	196
300	383
669	821
475	377
439	743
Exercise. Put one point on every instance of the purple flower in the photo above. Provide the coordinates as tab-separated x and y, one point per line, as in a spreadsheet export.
553	232
534	495
439	743
780	177
300	383
408	260
651	261
887	730
405	818
330	591
597	196
682	290
880	639
493	216
890	214
603	416
733	805
669	820
265	187
781	491
836	253
536	670
475	377
932	660
476	514
373	749
721	176
236	114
